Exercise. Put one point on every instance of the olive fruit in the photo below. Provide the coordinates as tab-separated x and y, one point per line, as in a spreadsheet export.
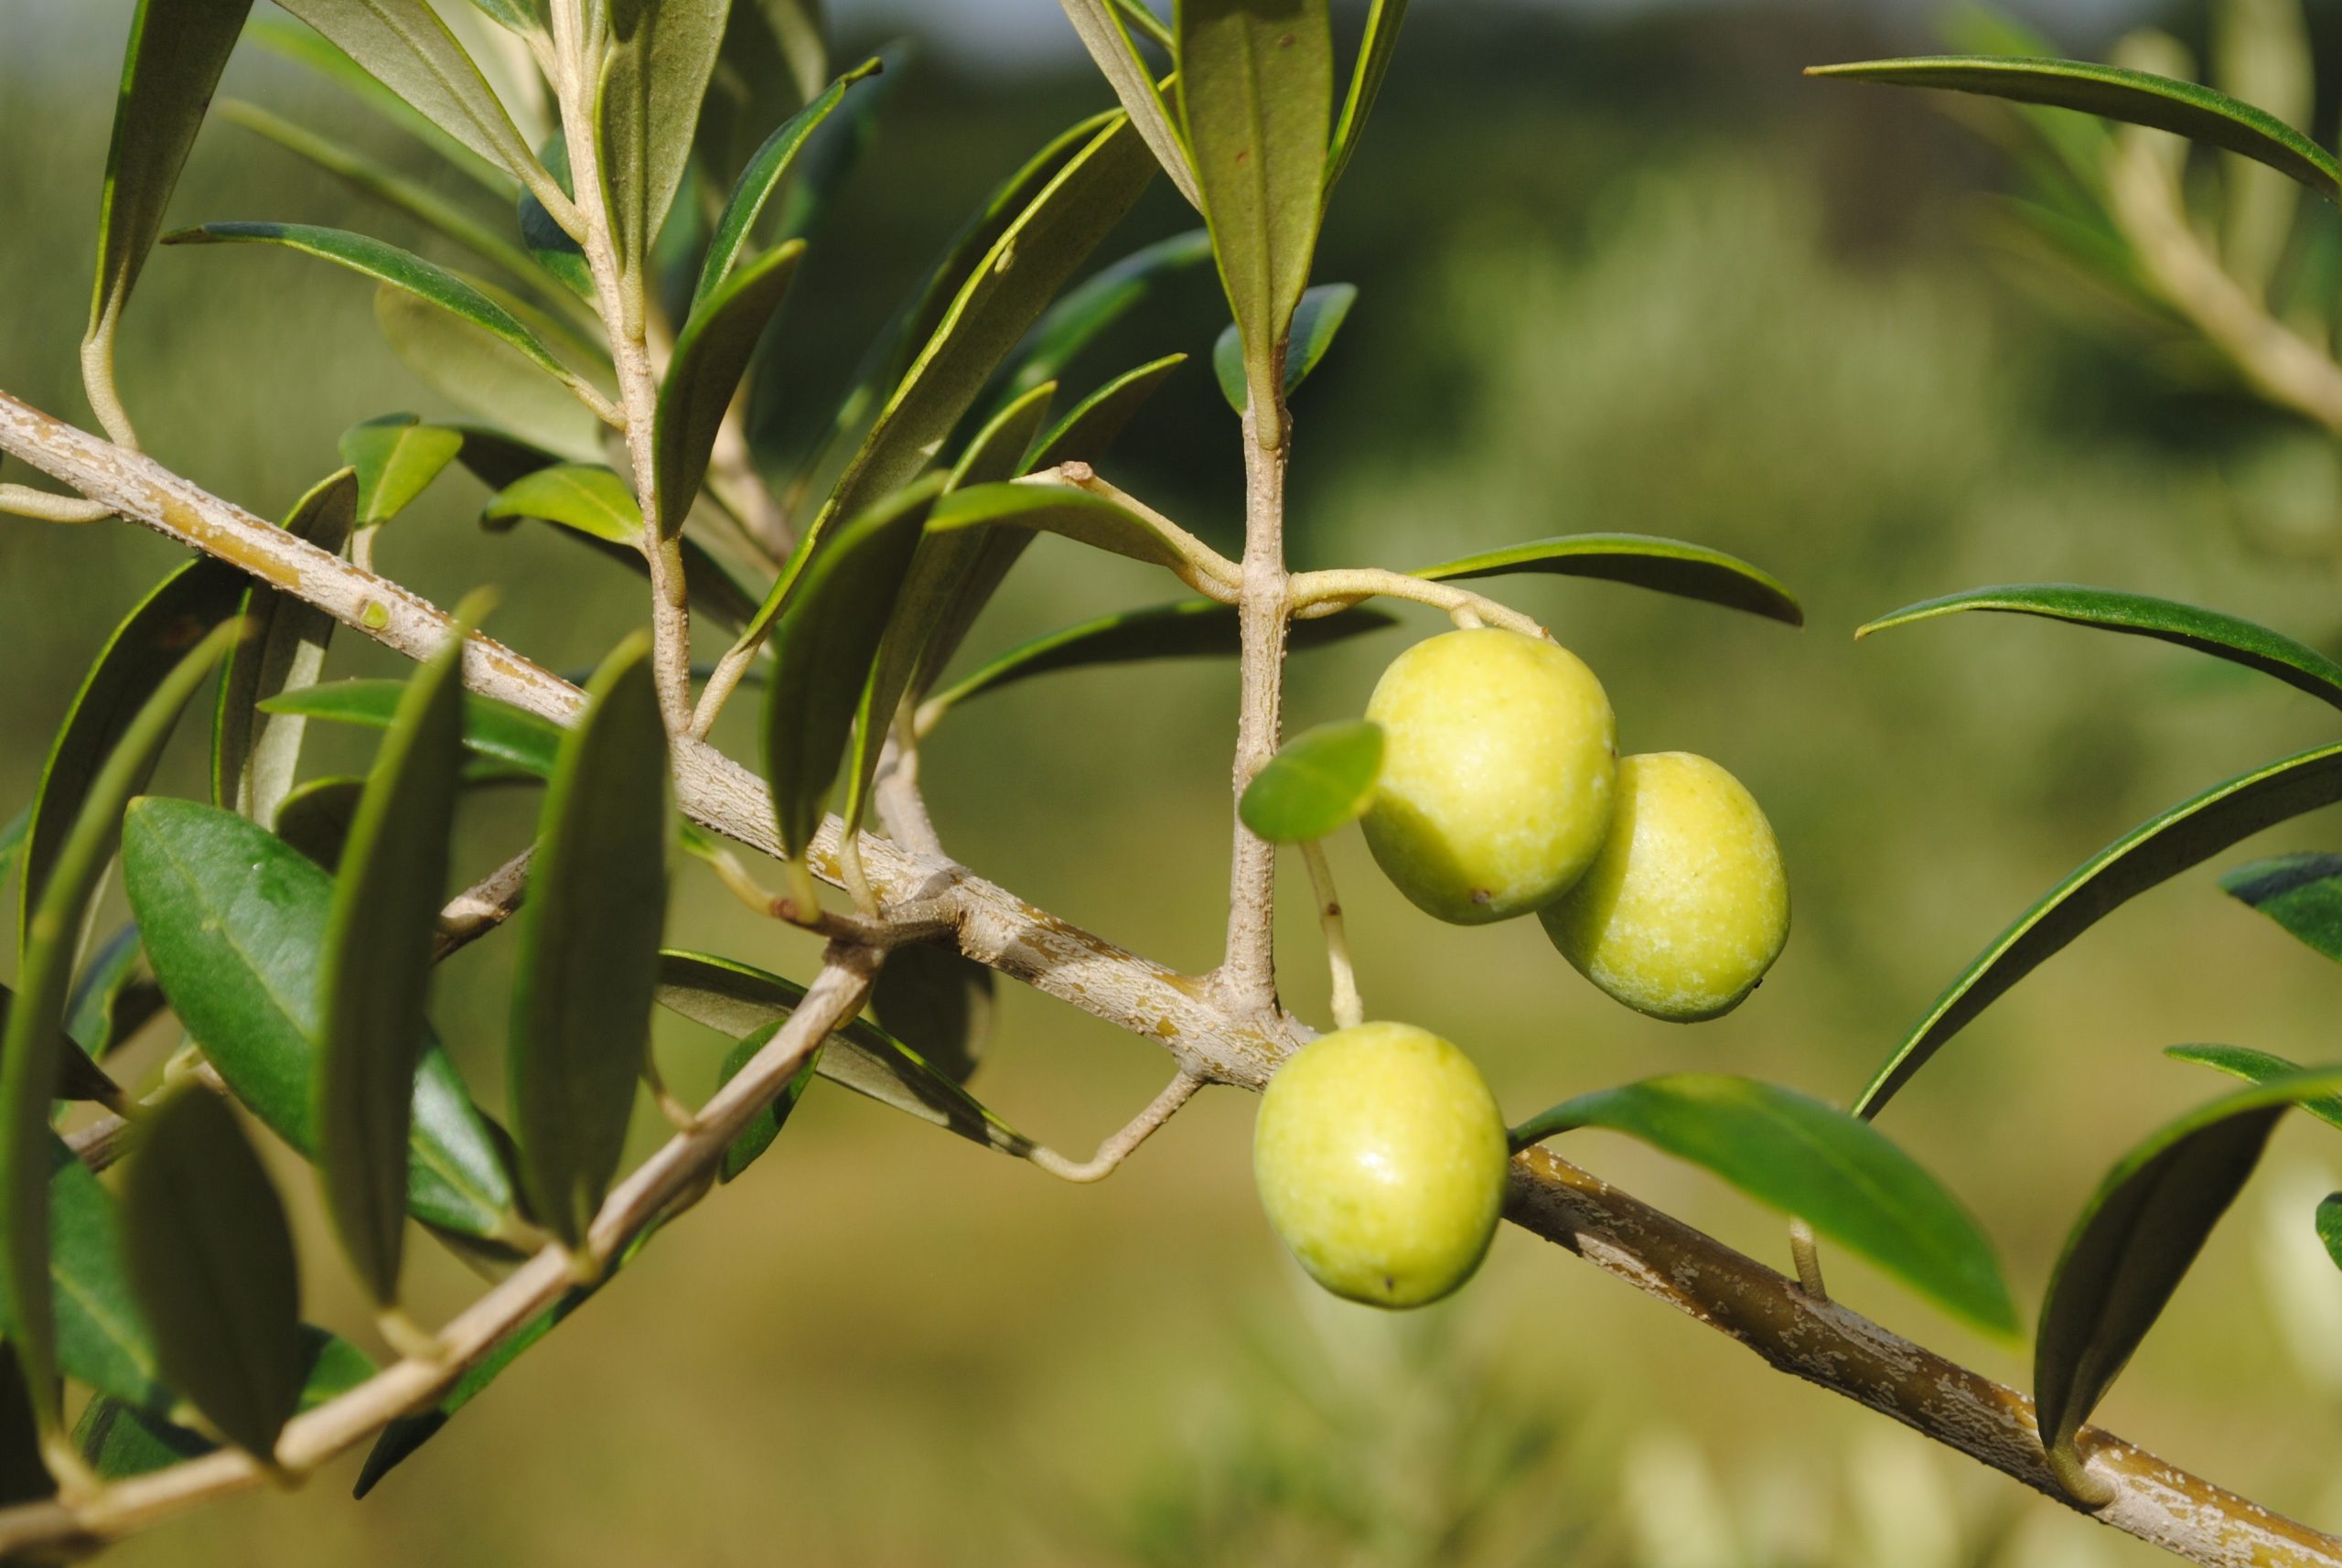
1381	1158
1499	761
1687	906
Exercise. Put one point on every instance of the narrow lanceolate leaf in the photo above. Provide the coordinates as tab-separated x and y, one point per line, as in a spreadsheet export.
119	1440
494	730
377	951
584	496
12	841
301	45
405	46
661	53
2136	1241
1256	96
1315	321
1374	54
102	1337
316	818
1089	431
176	50
2134	97
1100	24
396	458
2302	893
113	997
710	358
211	1258
389	264
1320	781
256	755
234	922
480	371
1669	565
1005	293
1836	1172
137	659
1191	629
589	945
2227	637
2259	1067
1093	520
35	1031
823	652
2150	854
939	1002
1097	302
758	1134
735	999
767	169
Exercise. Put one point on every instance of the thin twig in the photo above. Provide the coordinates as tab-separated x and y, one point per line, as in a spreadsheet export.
1350	1011
1120	1147
1324	591
482	907
44	506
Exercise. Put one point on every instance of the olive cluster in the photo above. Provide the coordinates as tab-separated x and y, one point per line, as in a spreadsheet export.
1380	1152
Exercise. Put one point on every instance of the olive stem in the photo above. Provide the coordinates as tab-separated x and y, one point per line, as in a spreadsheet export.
1349	1010
1807	1258
1246	980
1122	1145
1342	588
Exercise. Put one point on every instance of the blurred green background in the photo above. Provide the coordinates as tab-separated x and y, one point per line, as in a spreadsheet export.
1621	269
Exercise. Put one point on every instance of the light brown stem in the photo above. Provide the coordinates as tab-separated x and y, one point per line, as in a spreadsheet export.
1247	978
1350	1009
1314	591
1122	1145
483	906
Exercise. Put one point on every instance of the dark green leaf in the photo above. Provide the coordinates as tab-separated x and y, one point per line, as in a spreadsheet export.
710	358
169	69
758	1134
492	729
661	53
2258	1067
2302	893
33	1035
113	999
2136	1240
24	1477
12	841
770	166
78	1077
551	248
734	1000
1669	565
388	264
2152	852
823	650
234	920
589	945
119	1440
316	818
1086	435
1833	1170
256	756
1099	26
2330	1226
1191	629
1320	781
1256	97
2207	632
212	1257
376	969
2132	97
587	497
480	371
396	458
143	652
1381	41
1093	520
1100	300
1316	321
102	1339
939	1002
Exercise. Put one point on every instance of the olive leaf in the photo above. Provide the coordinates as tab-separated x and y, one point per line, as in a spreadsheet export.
710	357
1088	431
119	1440
768	168
301	45
491	729
2302	893
1669	565
396	456
939	1004
589	945
2258	1067
1093	520
480	371
764	1127
1099	26
1095	305
1320	781
587	496
102	1337
1381	43
1315	321
662	53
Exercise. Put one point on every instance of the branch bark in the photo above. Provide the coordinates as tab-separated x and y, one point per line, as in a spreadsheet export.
1247	982
1822	1342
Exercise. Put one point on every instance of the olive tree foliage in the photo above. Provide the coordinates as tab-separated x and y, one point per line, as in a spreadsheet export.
641	181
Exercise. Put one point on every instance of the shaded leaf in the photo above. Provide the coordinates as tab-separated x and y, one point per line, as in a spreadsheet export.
661	53
1834	1170
2134	97
1088	431
102	1339
2152	852
1375	50
316	818
379	943
2302	893
78	1077
823	652
758	1134
121	1440
480	371
34	1034
112	997
234	920
1091	519
2223	636
24	1478
2258	1067
767	169
1669	565
212	1257
550	247
1316	321
589	945
1320	781
492	729
939	1004
1100	300
396	458
2330	1226
710	358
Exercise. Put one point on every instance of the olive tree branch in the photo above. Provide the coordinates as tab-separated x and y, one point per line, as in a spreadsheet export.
1822	1342
1323	593
1246	981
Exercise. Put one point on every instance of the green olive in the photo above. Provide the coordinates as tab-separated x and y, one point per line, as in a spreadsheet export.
1381	1158
1687	906
1499	761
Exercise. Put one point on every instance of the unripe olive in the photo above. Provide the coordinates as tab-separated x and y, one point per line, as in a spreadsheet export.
1381	1158
1687	906
1499	760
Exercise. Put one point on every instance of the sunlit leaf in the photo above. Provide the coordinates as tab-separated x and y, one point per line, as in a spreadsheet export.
35	1031
767	169
1097	302
396	458
1669	565
1100	24
234	920
661	53
212	1257
765	1126
492	729
2258	1067
1087	433
480	371
1374	54
589	945
2134	97
2152	852
2227	637
2302	893
1316	321
1320	781
1091	519
1831	1169
587	497
710	358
